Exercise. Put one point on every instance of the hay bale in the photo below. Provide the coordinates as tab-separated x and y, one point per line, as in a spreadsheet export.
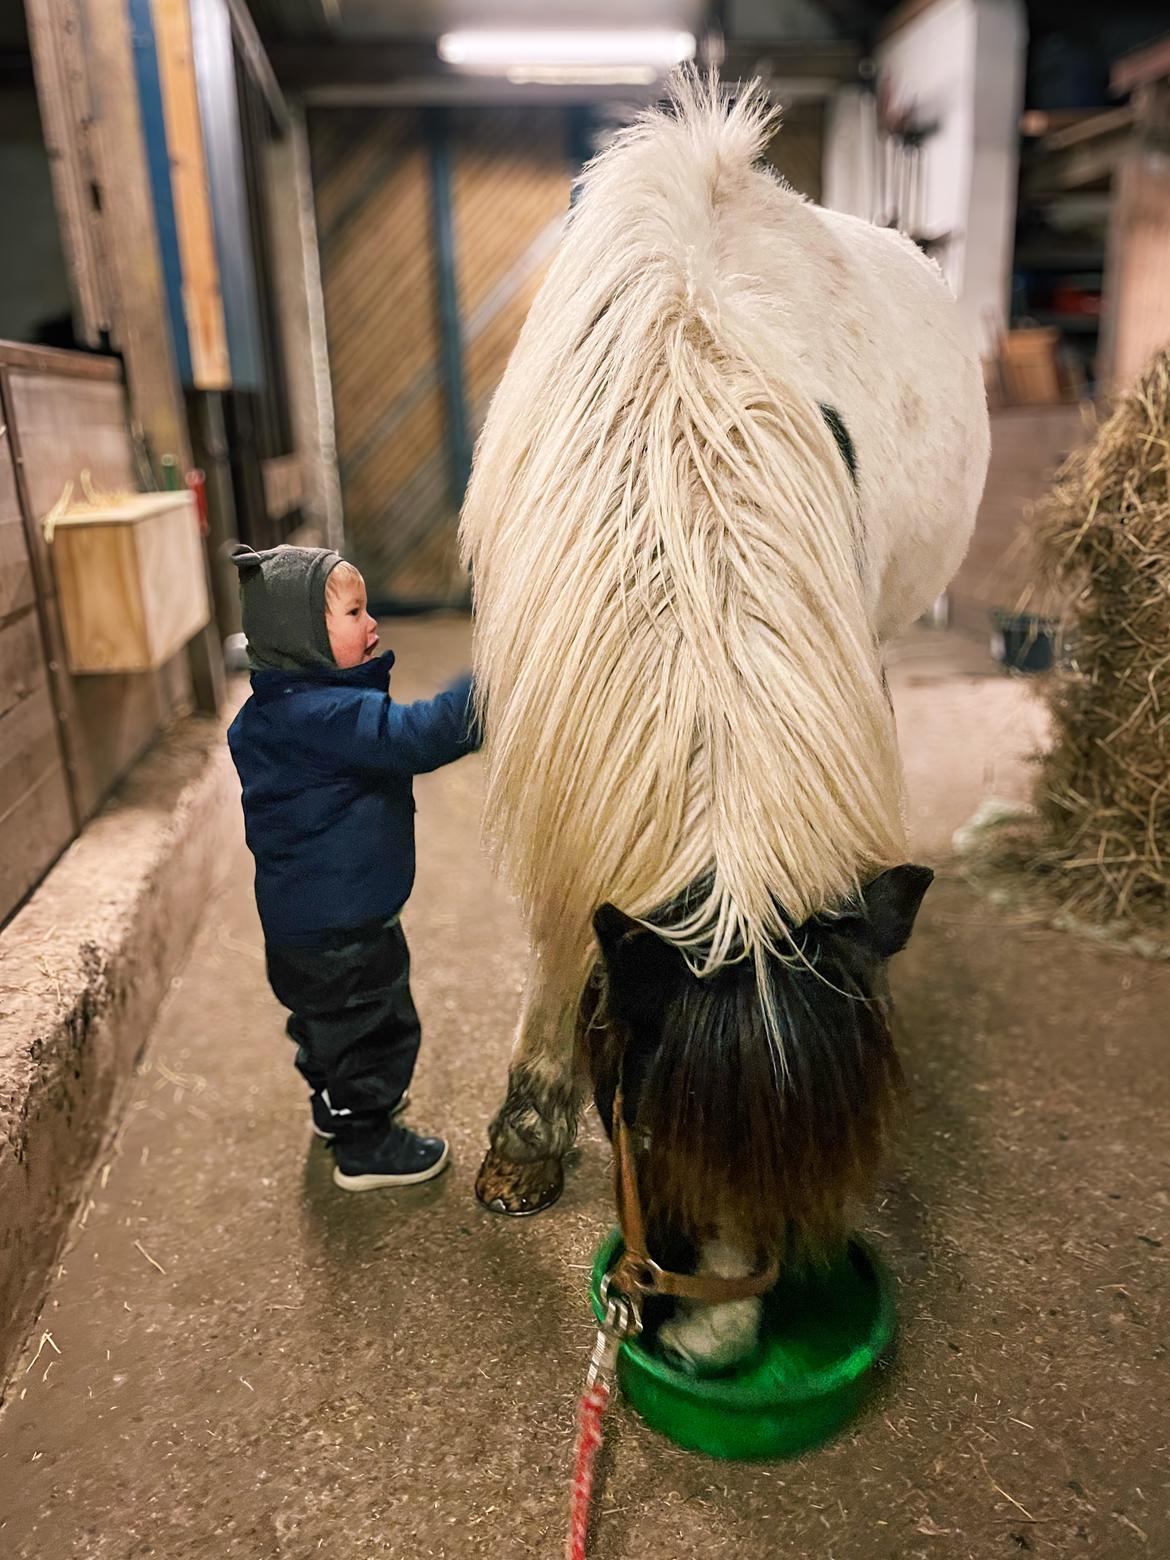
1101	832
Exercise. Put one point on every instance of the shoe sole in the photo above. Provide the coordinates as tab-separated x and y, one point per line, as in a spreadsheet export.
371	1183
327	1137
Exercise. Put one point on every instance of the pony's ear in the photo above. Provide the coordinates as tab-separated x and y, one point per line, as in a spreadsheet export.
610	926
642	969
889	905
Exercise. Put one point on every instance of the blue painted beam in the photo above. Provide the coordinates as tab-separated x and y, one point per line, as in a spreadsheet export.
580	124
219	109
159	162
447	288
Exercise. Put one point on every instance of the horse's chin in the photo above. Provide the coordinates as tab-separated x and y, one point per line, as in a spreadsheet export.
704	1338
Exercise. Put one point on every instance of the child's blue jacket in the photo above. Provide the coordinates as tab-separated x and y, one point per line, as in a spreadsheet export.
326	760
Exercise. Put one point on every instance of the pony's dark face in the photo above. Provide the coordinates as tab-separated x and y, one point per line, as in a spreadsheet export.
739	1128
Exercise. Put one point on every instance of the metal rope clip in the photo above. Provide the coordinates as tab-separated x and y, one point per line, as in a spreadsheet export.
623	1320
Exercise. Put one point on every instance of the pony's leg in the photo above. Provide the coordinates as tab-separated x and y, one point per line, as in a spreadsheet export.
711	1337
523	1170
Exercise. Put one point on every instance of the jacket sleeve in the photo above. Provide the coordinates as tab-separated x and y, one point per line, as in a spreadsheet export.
415	738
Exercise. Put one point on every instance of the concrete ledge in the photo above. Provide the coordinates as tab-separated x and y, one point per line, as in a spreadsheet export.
83	968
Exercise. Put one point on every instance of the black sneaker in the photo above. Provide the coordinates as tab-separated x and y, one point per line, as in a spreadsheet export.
397	1157
326	1121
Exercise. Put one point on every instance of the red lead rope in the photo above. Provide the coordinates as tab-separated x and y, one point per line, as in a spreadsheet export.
623	1319
594	1402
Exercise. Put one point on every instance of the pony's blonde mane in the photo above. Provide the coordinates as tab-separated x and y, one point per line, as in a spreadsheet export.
680	679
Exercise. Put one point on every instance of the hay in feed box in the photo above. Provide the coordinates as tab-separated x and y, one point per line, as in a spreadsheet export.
1099	845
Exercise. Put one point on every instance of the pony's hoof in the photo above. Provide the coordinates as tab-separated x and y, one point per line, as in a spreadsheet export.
518	1187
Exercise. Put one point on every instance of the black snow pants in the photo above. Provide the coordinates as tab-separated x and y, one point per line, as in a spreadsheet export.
352	1016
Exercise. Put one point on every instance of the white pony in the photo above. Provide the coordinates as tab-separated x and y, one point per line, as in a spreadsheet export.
740	443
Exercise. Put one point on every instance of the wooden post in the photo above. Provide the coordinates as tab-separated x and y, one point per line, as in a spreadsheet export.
202	296
259	66
325	441
1136	306
296	266
56	39
140	326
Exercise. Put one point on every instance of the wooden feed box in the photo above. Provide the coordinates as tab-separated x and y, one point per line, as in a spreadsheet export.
1030	368
131	582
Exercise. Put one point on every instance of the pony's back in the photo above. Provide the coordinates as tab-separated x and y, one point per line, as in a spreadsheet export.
675	625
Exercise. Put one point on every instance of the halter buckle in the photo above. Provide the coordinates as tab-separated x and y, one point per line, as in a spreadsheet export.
623	1319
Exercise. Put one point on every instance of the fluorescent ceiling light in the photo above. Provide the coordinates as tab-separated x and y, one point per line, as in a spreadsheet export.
657	48
582	75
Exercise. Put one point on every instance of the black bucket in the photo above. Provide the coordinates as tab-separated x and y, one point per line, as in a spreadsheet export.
1022	642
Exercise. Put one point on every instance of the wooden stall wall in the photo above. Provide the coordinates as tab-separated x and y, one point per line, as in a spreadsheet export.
511	196
373	214
374	176
64	741
36	820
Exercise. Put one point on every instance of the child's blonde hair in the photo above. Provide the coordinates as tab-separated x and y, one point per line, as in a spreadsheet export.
340	575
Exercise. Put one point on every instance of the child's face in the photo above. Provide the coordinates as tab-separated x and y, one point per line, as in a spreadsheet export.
353	634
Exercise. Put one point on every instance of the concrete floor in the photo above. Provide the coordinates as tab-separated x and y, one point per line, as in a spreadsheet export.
248	1363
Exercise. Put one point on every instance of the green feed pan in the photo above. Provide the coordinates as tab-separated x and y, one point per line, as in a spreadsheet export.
823	1336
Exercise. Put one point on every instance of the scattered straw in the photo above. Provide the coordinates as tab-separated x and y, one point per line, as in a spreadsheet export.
93	498
999	1489
149	1258
1098	846
46	1337
1125	1522
193	1082
51	975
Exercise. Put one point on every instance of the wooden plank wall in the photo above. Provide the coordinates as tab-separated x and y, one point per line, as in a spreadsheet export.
36	820
511	192
510	187
373	212
64	414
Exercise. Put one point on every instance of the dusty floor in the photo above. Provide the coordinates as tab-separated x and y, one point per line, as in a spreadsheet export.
248	1363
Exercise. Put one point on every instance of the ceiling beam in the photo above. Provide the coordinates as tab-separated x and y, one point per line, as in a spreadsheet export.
348	66
315	64
834	62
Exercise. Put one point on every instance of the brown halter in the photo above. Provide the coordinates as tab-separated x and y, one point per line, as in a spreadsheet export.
636	1273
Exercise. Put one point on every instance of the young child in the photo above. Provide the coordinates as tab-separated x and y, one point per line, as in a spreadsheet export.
326	760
